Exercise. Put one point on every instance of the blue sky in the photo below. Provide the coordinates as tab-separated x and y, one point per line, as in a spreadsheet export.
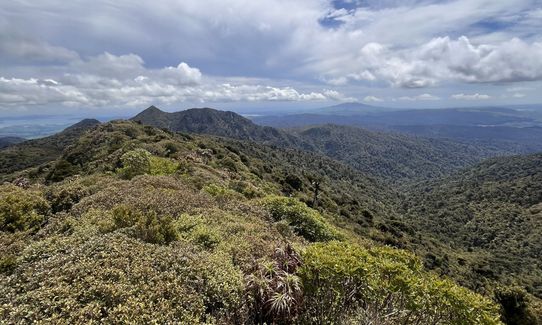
112	56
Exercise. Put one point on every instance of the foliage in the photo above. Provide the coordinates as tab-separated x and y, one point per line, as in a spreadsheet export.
515	307
343	282
305	221
168	244
275	289
162	166
21	209
135	162
148	226
115	279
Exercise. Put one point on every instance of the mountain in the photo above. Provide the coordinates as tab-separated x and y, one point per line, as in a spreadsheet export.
394	157
486	116
503	131
8	141
493	213
378	154
348	109
213	122
134	222
35	152
501	138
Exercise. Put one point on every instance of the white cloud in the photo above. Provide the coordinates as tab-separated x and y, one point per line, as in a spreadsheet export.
475	96
441	59
423	97
370	99
109	80
518	95
382	43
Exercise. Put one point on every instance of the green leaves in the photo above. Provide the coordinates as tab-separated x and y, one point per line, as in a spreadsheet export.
344	282
304	221
21	209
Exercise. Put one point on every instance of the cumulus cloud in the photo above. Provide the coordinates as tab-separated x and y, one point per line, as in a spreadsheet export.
109	80
471	96
443	59
373	43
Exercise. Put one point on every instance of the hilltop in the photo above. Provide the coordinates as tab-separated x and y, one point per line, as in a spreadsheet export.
35	152
213	122
379	154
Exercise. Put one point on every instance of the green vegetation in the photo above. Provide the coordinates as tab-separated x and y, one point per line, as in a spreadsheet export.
133	223
345	283
304	221
21	210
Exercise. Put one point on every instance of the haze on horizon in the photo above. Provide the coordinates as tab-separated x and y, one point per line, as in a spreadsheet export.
115	56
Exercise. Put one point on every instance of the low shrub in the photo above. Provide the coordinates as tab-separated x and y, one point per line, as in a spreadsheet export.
135	162
162	166
148	226
346	283
304	221
21	209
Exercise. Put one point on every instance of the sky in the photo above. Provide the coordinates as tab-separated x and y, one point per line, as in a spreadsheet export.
119	55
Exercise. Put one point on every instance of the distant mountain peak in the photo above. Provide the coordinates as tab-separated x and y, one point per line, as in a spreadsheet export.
214	122
153	108
83	124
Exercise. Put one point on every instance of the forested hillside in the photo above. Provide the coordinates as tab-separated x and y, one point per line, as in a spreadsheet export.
8	141
32	153
135	223
492	213
391	157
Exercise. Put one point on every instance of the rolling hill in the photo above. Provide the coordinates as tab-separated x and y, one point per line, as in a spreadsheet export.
491	211
32	153
136	223
378	154
8	141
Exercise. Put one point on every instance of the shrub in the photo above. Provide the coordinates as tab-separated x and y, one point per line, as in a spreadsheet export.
61	170
274	288
62	198
21	209
205	237
135	162
347	283
162	166
247	189
114	279
515	306
221	192
149	226
304	221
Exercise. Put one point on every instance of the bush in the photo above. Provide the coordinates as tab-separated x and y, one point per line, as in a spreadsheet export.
162	166
62	198
304	221
221	192
149	226
135	162
274	289
114	279
515	308
21	209
347	283
140	161
62	170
